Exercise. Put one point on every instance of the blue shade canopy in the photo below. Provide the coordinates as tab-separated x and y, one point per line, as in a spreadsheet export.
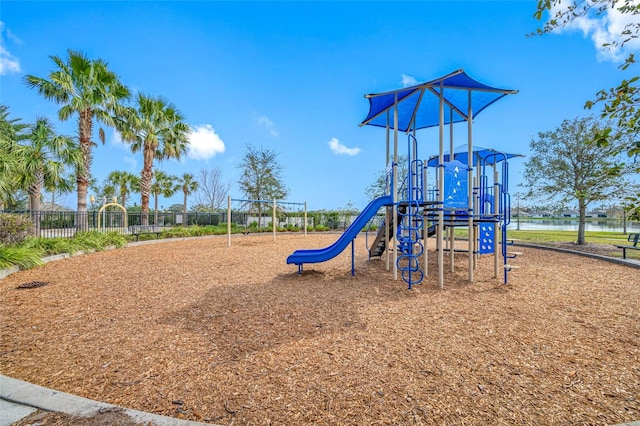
487	156
419	106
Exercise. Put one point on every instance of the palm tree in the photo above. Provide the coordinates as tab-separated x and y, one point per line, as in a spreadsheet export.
125	182
64	186
11	132
88	89
44	160
188	185
157	129
162	184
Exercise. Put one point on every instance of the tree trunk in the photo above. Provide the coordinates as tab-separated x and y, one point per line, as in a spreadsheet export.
82	176
145	182
582	209
184	210
155	210
34	206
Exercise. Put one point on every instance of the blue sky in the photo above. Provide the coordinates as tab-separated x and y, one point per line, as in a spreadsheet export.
291	76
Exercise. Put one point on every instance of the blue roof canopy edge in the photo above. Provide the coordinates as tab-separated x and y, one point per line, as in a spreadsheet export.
487	156
418	106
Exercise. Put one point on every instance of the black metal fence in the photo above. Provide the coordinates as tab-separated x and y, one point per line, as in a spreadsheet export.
65	224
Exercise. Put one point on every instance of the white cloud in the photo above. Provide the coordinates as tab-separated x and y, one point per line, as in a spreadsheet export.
340	149
116	140
408	80
605	28
9	64
132	162
204	143
268	124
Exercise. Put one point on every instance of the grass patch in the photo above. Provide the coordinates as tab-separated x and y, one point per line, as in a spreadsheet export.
595	237
23	257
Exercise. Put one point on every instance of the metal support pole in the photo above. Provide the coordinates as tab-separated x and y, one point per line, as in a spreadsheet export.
452	245
305	218
395	187
353	257
273	220
425	228
470	183
229	221
496	194
387	190
441	189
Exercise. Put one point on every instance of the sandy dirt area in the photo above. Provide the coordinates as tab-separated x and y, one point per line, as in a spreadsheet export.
196	330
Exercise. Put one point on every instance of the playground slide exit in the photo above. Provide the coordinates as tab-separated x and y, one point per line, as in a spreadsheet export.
300	257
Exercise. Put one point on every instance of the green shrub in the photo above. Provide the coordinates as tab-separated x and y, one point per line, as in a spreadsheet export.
50	246
114	238
23	257
179	232
322	228
14	228
94	240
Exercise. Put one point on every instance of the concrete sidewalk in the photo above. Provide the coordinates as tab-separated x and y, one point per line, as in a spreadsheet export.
19	399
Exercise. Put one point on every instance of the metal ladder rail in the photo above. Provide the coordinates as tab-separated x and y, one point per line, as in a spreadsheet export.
410	225
506	220
410	244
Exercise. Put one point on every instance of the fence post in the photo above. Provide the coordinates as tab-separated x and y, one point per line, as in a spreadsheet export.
273	220
228	220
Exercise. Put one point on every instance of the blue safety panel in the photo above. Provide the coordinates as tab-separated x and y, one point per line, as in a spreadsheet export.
487	238
455	185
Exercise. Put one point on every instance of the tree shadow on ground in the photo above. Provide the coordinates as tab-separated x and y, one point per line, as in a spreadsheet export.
238	319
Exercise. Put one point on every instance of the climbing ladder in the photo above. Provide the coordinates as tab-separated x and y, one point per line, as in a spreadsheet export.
505	200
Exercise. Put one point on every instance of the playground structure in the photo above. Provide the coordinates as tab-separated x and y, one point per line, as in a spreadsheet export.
463	194
102	210
274	206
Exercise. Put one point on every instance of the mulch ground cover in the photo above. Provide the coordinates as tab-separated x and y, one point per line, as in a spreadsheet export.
196	330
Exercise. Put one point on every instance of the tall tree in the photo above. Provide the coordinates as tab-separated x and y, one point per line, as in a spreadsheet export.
44	161
12	130
378	186
125	182
213	191
162	184
159	130
65	186
102	194
564	164
85	88
621	104
188	184
261	177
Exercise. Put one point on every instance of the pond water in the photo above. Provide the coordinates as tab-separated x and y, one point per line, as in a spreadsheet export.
571	225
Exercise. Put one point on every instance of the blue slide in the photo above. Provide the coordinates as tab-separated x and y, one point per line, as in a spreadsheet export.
300	257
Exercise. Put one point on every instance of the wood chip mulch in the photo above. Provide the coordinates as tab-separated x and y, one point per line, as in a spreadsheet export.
196	330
